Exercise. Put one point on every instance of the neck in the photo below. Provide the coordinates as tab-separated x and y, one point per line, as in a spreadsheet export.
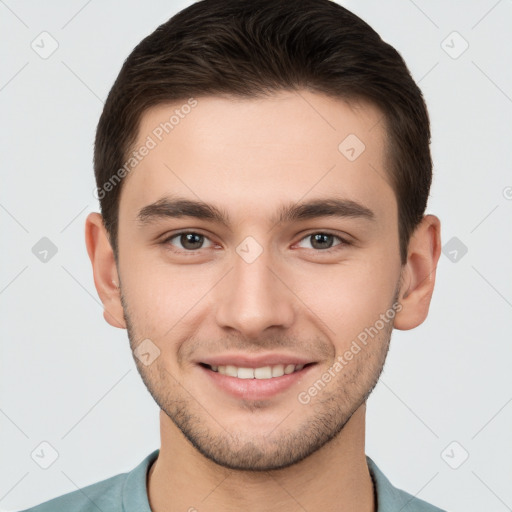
334	478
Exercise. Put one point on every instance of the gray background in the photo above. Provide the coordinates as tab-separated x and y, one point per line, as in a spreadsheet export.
68	378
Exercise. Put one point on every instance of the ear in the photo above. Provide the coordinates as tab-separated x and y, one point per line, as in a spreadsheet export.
419	273
104	269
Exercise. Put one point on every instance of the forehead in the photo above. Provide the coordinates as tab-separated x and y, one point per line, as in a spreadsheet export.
248	154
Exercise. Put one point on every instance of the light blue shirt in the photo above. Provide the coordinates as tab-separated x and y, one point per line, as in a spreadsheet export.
127	492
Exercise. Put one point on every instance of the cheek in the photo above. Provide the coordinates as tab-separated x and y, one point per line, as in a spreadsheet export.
351	296
163	297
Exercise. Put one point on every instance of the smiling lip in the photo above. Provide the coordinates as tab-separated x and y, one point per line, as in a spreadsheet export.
246	361
254	389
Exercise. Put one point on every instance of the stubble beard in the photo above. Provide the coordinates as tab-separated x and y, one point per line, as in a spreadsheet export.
282	447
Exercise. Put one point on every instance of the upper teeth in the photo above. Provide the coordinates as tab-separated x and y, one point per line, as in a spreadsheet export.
265	372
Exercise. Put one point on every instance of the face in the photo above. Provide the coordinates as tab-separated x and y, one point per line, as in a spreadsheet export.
294	263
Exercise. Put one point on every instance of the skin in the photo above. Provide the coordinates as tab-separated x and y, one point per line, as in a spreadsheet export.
249	157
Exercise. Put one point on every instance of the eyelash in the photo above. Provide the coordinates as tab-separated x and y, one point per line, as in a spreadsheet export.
342	242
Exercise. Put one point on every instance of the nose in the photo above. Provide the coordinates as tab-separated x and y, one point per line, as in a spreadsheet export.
254	298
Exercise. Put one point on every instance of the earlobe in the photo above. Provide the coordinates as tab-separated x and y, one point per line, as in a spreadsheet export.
418	274
104	269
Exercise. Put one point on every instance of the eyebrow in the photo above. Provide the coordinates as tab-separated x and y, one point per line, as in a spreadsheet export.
176	207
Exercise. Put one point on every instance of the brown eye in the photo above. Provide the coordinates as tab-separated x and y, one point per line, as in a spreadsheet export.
188	241
191	240
322	241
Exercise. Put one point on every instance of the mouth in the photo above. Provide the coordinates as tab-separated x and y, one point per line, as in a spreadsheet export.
261	372
255	380
250	376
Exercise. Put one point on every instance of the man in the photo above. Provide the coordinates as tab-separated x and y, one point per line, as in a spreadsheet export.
263	170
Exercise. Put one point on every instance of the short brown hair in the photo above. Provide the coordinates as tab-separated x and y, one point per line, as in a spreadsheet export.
253	48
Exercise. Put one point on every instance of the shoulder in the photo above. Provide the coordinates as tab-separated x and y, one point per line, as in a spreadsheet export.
104	495
110	495
390	498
